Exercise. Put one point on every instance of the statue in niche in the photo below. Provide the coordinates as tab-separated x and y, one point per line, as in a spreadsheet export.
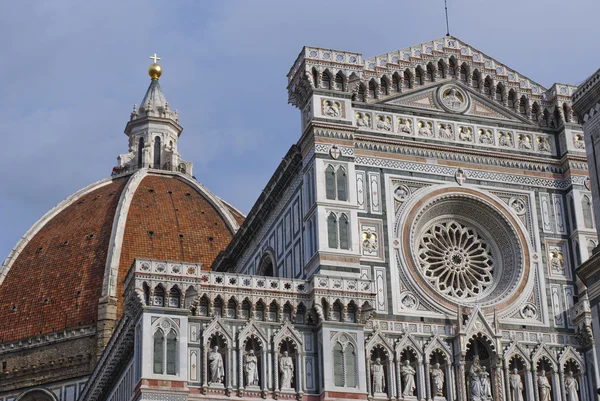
408	379
251	369
215	366
476	390
544	386
286	368
486	388
516	386
378	376
571	387
437	381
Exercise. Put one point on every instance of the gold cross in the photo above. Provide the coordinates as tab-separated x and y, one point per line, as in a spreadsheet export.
155	58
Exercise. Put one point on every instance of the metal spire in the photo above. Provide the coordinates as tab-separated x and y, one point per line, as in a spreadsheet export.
447	25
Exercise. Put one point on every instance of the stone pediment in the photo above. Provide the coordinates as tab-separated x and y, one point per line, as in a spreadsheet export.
466	102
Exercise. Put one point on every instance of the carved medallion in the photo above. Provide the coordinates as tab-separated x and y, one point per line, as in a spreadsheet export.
453	99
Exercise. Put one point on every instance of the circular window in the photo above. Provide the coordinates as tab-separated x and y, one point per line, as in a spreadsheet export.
456	259
463	247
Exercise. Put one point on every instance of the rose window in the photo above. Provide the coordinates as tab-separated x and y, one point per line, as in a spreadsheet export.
456	260
460	248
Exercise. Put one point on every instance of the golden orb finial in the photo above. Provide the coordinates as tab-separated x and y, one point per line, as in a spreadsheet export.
155	70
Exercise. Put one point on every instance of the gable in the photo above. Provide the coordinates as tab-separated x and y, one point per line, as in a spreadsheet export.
433	98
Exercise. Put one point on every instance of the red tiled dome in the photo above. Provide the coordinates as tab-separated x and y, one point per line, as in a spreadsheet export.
56	274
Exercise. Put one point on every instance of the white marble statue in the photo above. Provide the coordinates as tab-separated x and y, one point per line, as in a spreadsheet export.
251	369
437	381
486	387
476	391
516	386
286	368
378	377
215	366
544	386
408	379
571	387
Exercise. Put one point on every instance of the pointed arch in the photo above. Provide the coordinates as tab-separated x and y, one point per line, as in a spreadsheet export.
488	84
442	69
407	79
372	89
464	72
586	208
361	94
315	77
419	75
452	66
476	79
512	100
396	82
570	355
499	92
140	152
430	72
341	183
330	182
157	150
523	105
267	264
332	231
326	80
567	112
535	111
340	80
545	121
384	87
344	230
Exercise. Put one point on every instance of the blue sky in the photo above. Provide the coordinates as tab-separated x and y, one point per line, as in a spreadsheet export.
70	72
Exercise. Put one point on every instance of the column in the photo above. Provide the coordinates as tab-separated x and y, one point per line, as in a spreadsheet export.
264	362
299	374
461	379
276	369
391	382
562	392
205	364
536	388
556	387
447	382
399	377
506	380
583	387
241	369
427	382
421	387
452	382
529	386
228	368
369	376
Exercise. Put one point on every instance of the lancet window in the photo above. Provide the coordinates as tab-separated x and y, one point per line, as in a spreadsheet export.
165	352
336	183
338	231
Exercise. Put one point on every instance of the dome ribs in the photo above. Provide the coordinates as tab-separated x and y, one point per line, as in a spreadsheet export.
58	270
173	209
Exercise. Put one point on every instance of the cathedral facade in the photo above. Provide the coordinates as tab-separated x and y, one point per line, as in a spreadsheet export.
418	242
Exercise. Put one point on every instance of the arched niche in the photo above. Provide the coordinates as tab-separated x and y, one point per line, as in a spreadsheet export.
38	394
